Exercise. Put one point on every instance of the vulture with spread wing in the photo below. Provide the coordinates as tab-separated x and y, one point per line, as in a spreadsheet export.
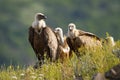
42	39
78	38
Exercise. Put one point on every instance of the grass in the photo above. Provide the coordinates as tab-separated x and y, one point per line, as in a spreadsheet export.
91	62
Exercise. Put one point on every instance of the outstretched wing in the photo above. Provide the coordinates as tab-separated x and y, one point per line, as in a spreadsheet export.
88	34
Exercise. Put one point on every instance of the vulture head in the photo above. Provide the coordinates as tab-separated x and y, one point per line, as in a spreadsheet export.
59	33
110	40
39	22
39	16
71	29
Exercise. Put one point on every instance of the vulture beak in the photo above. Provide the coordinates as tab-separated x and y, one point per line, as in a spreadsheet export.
70	28
55	31
45	17
41	16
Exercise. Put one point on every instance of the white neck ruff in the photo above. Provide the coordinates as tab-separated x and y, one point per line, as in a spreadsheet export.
39	24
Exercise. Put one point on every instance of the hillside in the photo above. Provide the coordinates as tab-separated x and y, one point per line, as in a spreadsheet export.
87	65
96	16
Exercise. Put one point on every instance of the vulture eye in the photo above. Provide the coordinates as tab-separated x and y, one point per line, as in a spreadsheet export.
56	30
41	17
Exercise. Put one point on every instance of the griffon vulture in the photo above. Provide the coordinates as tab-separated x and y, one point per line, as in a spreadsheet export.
109	41
42	39
63	48
77	38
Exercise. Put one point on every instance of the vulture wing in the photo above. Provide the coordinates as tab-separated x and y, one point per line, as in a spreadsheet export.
36	41
70	43
51	42
31	36
88	34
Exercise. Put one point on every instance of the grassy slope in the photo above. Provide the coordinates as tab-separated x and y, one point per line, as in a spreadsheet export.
87	65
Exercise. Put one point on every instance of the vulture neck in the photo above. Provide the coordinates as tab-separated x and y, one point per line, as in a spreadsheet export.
61	38
72	33
41	24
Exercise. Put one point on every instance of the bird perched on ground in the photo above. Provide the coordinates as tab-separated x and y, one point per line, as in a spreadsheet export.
43	39
73	32
78	38
109	41
116	52
63	48
99	76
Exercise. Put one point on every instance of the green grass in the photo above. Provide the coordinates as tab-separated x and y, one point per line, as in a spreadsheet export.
91	62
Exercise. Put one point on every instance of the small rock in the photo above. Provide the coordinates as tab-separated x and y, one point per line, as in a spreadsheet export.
99	76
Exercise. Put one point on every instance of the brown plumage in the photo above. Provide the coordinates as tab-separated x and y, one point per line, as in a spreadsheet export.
43	39
77	38
73	32
63	48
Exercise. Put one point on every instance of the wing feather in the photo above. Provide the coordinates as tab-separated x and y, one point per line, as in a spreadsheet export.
31	36
88	34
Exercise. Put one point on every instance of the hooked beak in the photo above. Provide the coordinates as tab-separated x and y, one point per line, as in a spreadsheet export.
55	31
45	17
70	28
